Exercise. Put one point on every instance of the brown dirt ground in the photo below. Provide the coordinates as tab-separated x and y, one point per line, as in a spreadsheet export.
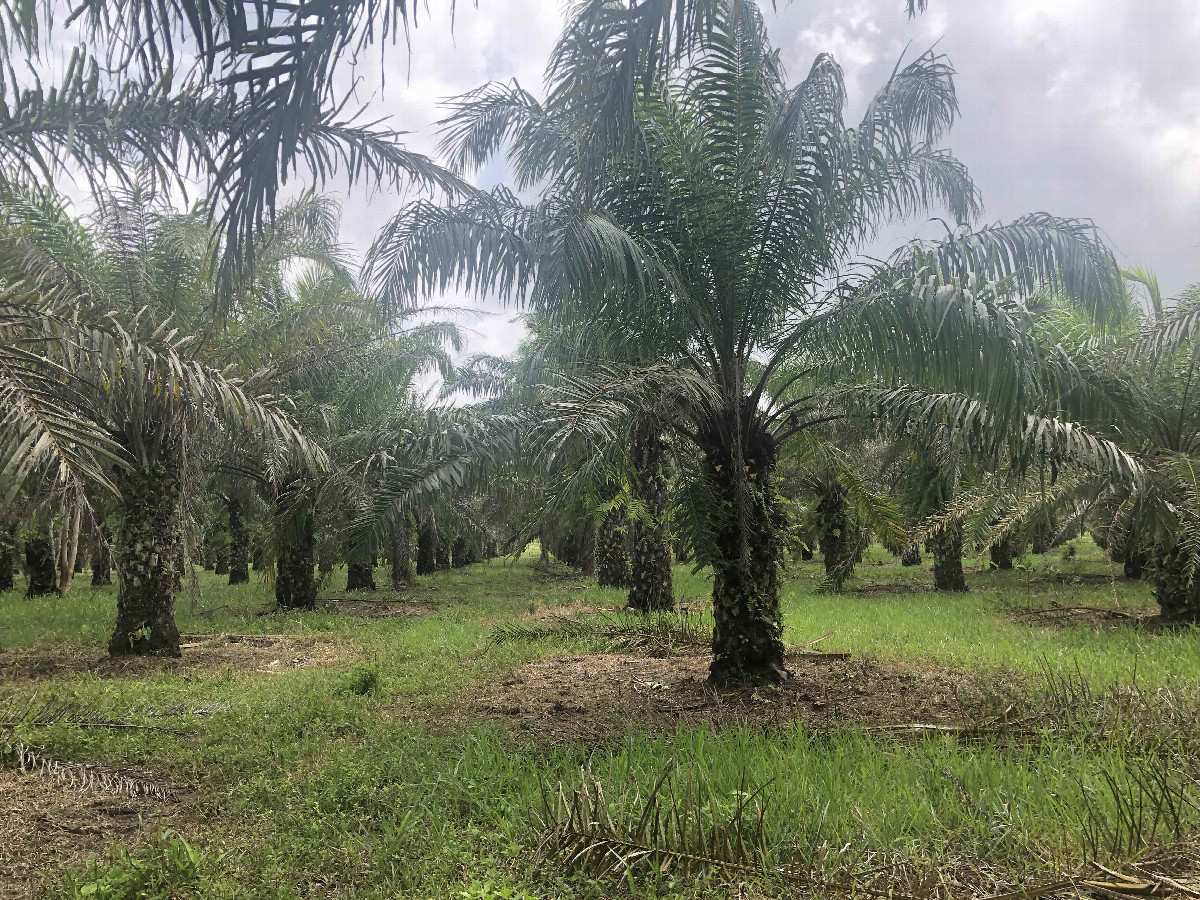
588	698
45	823
267	654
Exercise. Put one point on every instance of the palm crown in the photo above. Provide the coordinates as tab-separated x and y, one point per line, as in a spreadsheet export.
721	237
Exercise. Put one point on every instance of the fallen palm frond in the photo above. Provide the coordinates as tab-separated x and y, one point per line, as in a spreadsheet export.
35	712
1057	612
692	831
682	831
80	776
660	633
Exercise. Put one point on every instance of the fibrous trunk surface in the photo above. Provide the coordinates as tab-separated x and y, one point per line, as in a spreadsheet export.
295	585
426	550
1176	589
459	553
401	555
650	584
612	560
747	634
360	576
1001	556
946	547
148	550
39	566
239	544
8	549
102	559
835	536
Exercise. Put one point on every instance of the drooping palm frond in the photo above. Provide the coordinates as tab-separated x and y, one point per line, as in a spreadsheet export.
971	428
1174	330
47	427
1030	253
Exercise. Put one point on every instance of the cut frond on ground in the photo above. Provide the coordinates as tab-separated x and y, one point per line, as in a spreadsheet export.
29	760
655	633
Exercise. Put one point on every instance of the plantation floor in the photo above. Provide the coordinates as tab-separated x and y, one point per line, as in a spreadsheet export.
595	698
414	747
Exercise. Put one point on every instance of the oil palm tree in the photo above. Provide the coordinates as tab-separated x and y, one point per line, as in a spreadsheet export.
729	225
126	393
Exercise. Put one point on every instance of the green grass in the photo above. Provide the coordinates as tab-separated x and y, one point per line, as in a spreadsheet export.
317	782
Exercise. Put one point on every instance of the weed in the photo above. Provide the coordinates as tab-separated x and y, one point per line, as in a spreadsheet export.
165	868
362	680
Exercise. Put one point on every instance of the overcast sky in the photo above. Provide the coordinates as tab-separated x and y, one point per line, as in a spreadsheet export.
1084	108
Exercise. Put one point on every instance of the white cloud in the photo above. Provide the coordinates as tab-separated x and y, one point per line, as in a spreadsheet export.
1072	106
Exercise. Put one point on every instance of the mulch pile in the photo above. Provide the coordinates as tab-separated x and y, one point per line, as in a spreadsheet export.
589	698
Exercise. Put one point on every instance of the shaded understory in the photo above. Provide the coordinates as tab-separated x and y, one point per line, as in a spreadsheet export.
384	749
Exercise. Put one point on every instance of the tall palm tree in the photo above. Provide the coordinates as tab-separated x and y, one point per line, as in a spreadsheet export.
730	224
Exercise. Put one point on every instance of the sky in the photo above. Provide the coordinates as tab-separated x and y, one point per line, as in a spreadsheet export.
1086	108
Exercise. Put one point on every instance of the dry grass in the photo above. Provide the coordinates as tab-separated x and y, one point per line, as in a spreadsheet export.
262	654
50	822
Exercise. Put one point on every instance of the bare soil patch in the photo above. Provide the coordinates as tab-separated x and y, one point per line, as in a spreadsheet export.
587	698
265	654
48	823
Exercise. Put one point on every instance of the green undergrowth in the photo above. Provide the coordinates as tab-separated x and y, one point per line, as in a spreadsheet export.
342	781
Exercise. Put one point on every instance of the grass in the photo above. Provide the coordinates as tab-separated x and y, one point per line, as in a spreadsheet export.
331	782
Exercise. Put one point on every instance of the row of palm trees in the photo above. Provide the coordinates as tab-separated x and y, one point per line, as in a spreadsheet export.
710	340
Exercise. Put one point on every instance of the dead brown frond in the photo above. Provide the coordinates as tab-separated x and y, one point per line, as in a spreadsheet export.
687	830
80	776
656	633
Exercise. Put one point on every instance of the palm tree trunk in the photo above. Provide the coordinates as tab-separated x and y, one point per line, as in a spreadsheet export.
39	564
360	576
401	554
68	549
459	553
221	561
295	586
426	549
612	561
911	555
946	547
1002	555
585	552
650	585
835	535
101	559
441	557
1177	595
239	543
747	634
1134	565
1041	536
682	554
147	557
8	546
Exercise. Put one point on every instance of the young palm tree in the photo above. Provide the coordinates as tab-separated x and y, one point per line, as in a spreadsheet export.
126	388
728	225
